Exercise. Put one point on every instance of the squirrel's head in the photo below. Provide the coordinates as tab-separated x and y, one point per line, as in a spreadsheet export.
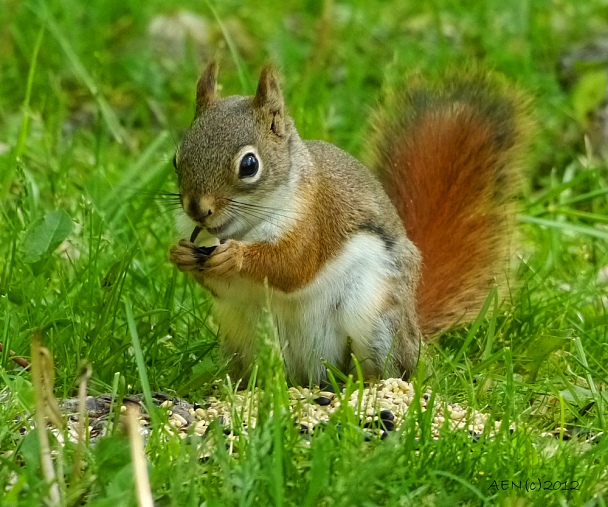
234	156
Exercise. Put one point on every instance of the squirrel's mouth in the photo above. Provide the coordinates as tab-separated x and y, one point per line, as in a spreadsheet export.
214	231
217	231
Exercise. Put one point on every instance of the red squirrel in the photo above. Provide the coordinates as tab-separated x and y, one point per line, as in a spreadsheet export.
355	264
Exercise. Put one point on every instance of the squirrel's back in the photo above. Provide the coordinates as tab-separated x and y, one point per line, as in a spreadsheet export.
449	158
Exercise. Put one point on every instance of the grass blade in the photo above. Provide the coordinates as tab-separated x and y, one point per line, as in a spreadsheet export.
139	358
25	119
81	72
566	226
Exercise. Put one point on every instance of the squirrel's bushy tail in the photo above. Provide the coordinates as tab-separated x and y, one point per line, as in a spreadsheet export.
450	159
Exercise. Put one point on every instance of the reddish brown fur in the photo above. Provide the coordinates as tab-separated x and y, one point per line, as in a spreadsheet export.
296	259
453	175
288	264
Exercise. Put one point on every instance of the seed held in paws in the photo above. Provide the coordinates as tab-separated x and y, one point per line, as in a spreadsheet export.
203	252
195	233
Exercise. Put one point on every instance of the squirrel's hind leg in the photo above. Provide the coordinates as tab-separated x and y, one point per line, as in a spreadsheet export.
391	350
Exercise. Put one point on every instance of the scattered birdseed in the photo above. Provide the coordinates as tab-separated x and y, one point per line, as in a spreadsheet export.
381	408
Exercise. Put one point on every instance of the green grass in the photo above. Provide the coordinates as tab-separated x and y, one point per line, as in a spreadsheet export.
91	110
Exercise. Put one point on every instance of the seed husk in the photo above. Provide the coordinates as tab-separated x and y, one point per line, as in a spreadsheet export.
195	233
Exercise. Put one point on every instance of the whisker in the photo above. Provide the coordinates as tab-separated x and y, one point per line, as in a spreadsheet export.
235	215
263	217
143	191
262	211
163	197
260	207
171	204
251	212
242	213
276	212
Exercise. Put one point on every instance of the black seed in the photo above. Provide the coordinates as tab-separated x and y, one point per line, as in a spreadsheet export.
426	396
227	431
387	425
202	253
205	250
387	415
195	233
322	400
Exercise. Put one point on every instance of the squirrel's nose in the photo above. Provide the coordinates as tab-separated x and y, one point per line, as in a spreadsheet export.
199	209
197	212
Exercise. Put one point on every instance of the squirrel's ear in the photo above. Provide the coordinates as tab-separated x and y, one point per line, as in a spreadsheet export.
269	97
205	88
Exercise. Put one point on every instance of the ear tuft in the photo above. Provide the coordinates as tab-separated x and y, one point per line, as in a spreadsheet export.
205	88
269	98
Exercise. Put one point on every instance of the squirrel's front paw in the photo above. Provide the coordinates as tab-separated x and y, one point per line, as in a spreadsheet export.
226	260
189	257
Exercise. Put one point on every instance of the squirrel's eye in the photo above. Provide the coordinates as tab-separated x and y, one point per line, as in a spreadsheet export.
249	166
175	162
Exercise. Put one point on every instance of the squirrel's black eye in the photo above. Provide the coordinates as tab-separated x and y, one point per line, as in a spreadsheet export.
175	162
249	166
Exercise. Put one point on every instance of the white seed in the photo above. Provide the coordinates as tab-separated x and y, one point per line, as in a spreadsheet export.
200	427
404	386
457	416
177	417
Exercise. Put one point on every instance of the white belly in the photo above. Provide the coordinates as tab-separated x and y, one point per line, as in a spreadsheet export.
315	322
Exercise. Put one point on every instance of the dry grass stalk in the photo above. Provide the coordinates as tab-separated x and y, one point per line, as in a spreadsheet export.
138	456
